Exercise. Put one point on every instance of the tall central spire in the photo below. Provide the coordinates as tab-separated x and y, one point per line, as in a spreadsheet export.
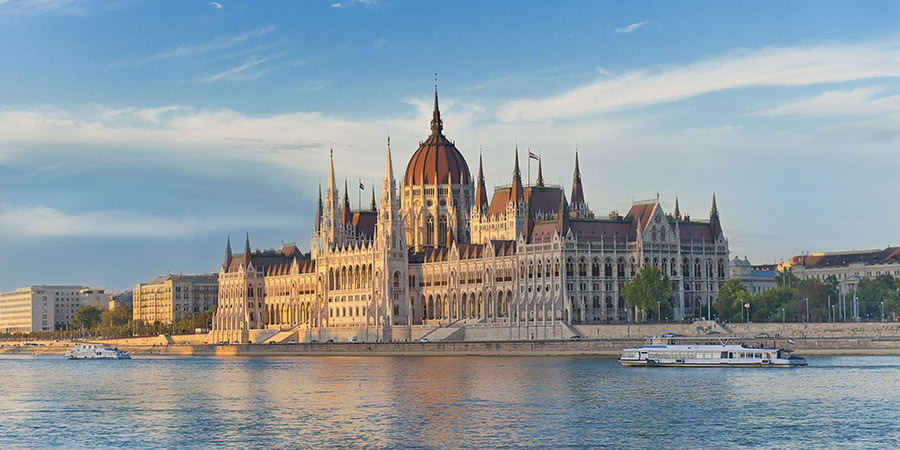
437	126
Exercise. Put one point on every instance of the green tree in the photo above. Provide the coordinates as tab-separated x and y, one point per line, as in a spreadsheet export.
648	291
731	299
773	304
871	293
86	317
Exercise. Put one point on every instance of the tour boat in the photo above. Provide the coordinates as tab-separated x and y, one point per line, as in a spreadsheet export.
700	352
95	351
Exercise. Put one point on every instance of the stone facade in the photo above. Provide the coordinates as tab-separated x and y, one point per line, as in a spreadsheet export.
435	251
173	297
45	307
755	278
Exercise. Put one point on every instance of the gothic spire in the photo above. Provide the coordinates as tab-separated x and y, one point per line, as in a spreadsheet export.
481	200
577	189
372	205
247	249
563	214
714	212
714	224
346	214
540	175
319	210
677	212
517	192
228	255
437	126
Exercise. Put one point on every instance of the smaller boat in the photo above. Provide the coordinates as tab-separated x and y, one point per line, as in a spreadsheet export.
700	352
95	351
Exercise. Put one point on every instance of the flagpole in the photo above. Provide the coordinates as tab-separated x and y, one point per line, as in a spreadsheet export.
529	165
359	194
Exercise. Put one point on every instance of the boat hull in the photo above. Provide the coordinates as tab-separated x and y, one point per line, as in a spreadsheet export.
710	364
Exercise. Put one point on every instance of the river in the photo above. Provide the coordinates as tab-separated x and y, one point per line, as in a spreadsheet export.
443	402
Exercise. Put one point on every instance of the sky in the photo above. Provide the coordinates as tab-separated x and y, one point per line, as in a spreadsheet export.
135	136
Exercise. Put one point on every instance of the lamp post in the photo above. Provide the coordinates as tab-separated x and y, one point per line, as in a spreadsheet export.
659	313
882	311
807	309
782	316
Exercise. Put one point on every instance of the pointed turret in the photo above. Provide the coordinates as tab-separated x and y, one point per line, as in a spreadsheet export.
528	226
346	214
714	225
247	249
390	229
372	205
577	190
319	211
563	215
437	126
481	200
677	209
228	255
517	192
540	175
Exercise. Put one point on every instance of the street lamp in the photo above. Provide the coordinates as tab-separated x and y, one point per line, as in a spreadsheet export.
807	309
882	311
659	311
782	316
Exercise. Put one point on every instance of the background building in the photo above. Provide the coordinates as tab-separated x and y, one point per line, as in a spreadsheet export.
173	297
122	297
847	267
45	308
755	278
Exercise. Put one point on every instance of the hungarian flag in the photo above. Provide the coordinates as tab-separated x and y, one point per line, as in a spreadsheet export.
747	305
361	187
532	155
792	342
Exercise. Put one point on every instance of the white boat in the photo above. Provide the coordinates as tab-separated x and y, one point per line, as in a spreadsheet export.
95	351
706	352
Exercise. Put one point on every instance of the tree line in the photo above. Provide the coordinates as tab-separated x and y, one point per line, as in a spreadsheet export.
91	321
792	300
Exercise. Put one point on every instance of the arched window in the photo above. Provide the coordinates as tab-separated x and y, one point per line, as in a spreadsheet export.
595	268
442	230
396	280
429	231
607	268
570	270
721	269
620	268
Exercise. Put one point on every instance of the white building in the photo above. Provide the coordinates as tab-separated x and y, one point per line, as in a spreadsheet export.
45	308
755	278
847	267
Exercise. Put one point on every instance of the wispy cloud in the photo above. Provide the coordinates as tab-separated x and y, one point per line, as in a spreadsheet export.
859	101
243	71
350	3
379	43
35	222
39	6
216	4
215	44
777	66
630	28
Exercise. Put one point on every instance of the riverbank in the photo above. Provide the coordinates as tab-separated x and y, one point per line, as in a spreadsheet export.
589	347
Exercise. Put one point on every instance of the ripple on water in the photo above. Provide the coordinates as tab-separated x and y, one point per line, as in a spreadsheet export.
443	402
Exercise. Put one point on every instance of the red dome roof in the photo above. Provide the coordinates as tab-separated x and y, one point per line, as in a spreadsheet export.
437	161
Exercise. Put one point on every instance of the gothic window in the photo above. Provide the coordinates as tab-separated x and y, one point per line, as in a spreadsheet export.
653	234
674	267
721	269
607	268
570	270
582	268
442	230
697	268
396	280
429	231
595	268
620	268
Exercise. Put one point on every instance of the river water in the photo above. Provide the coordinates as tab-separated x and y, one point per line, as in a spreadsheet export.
443	402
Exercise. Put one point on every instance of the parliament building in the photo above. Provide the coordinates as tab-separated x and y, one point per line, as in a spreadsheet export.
440	251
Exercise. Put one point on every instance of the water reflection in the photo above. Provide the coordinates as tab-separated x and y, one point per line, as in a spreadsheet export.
443	402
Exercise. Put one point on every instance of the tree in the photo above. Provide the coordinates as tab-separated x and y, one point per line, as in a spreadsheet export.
648	291
767	305
731	299
86	317
872	292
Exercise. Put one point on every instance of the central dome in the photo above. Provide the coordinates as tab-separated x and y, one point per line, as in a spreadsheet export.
437	161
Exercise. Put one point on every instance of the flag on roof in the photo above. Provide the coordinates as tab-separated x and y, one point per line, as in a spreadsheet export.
361	187
532	155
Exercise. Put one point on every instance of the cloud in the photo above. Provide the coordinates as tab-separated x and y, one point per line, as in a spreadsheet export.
242	72
39	6
35	222
215	44
350	3
859	101
775	66
379	43
631	27
216	4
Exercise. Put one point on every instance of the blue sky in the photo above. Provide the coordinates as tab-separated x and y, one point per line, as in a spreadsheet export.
136	135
